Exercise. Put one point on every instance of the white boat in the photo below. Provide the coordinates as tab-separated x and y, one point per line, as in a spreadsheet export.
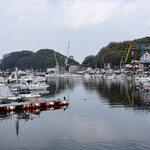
26	95
142	79
38	86
1	98
32	86
29	97
144	85
13	98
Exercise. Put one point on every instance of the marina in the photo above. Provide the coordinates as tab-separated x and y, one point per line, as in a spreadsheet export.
75	75
88	119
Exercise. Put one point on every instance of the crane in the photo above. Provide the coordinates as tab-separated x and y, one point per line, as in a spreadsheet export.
128	53
66	61
57	64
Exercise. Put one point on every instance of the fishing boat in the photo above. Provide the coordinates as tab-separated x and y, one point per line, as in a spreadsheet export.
38	86
26	95
31	87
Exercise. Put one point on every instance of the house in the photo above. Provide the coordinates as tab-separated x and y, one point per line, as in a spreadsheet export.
71	57
145	61
145	58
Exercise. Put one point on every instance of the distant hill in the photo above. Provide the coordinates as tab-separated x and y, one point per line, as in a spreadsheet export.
41	59
114	53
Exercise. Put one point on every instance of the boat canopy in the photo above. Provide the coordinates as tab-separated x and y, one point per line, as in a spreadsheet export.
24	91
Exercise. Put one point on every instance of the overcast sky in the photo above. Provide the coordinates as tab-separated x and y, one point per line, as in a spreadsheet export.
87	24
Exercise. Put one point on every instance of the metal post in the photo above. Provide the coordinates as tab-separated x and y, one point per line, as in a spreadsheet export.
145	54
133	65
142	52
133	60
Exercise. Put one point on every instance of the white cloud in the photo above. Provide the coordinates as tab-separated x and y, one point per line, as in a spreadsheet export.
75	14
89	24
148	22
84	13
23	18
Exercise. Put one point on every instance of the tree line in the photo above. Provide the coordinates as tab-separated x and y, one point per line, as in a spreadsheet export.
41	60
115	53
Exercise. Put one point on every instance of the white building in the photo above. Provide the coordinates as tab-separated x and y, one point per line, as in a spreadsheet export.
52	70
145	57
145	61
73	69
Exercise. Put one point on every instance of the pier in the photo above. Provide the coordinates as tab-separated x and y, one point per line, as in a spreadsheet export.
33	104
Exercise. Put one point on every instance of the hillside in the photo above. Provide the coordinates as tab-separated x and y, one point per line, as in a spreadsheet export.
41	59
114	53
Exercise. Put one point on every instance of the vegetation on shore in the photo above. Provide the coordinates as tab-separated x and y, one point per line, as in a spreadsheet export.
41	60
115	53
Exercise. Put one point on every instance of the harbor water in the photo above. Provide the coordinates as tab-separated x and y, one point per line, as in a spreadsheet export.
102	114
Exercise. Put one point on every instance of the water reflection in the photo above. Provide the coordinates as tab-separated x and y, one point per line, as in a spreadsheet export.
119	93
96	118
58	85
26	114
116	93
145	97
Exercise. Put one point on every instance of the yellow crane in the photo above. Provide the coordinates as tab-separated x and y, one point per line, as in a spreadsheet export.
128	53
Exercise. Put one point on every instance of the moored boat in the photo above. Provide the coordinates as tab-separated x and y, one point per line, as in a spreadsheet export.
26	95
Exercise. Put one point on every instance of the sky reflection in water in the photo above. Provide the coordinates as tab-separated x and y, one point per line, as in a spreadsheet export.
102	114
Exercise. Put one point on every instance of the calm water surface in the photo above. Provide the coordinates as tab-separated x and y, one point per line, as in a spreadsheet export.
102	114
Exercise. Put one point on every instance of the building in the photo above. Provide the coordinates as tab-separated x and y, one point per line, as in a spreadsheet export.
74	69
71	57
145	58
145	61
52	70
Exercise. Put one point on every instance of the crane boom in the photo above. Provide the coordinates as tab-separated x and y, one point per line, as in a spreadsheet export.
57	64
128	53
66	61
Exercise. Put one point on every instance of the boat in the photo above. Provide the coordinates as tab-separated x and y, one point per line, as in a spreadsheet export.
142	79
144	85
31	87
2	99
26	95
13	98
38	86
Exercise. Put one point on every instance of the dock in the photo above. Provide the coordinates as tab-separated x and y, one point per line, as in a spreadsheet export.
33	104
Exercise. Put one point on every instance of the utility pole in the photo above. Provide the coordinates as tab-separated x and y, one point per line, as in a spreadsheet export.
133	60
142	58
